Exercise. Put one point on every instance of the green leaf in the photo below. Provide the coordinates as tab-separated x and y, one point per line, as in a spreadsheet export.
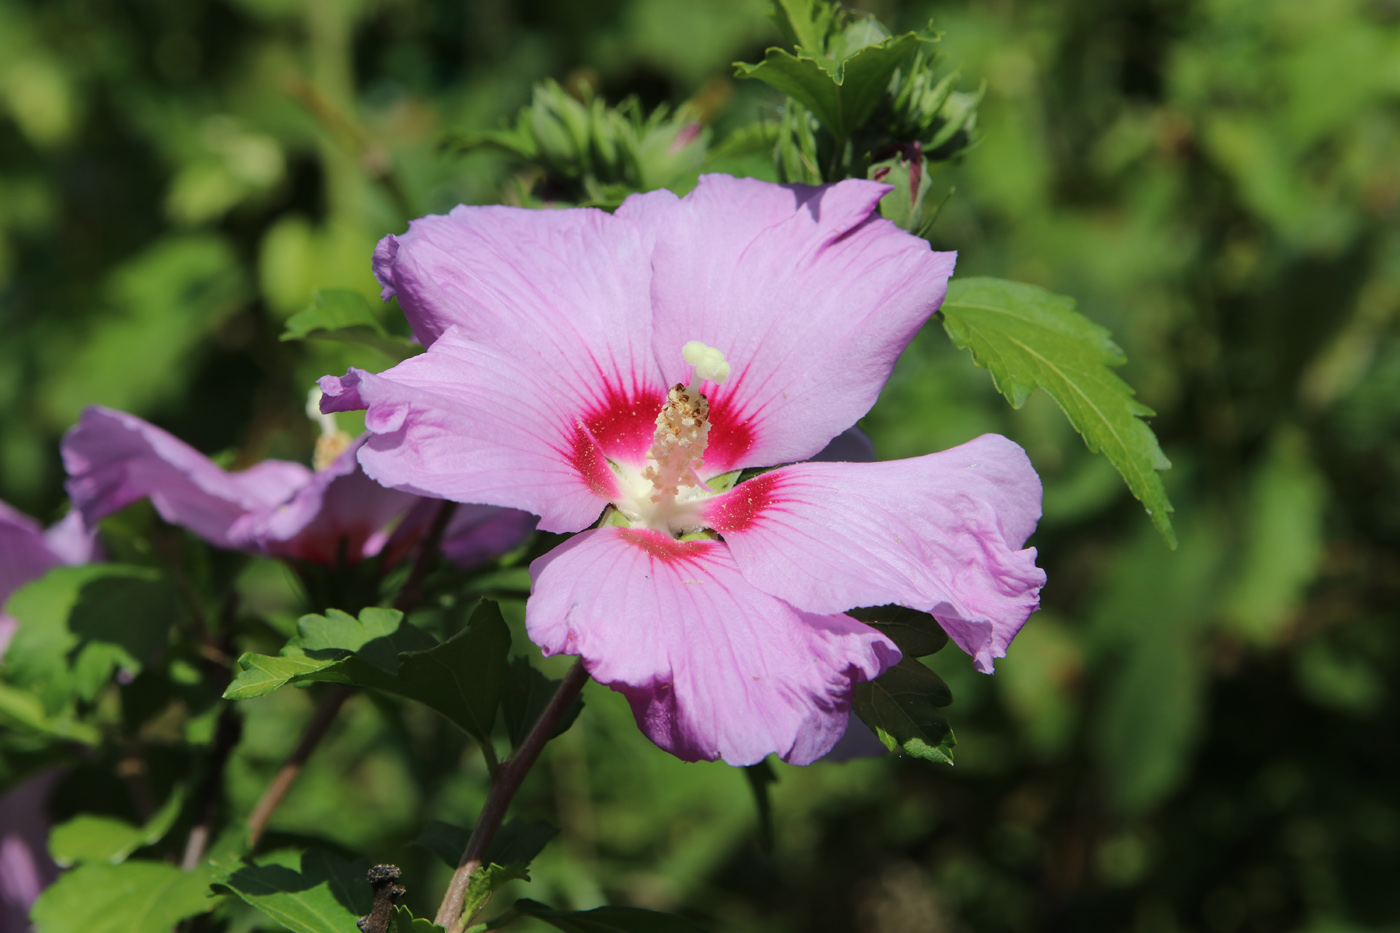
1028	338
917	634
92	838
380	650
844	94
606	919
24	712
523	698
133	897
806	24
80	624
344	315
486	881
462	677
902	707
328	894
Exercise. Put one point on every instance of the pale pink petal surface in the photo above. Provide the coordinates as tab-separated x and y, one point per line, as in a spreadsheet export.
940	533
809	295
470	423
712	667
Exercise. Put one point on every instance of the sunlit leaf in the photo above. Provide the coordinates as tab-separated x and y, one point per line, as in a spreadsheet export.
133	897
328	894
343	314
1029	338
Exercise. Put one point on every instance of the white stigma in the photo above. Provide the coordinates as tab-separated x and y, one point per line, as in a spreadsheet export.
333	441
709	363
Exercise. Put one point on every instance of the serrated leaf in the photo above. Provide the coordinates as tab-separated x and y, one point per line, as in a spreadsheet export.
260	674
806	24
328	894
917	634
606	919
902	707
525	695
1029	338
344	315
486	881
842	94
133	897
92	838
460	678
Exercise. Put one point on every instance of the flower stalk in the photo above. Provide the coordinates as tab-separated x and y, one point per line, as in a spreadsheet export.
508	780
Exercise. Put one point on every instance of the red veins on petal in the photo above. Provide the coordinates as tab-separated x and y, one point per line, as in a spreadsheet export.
731	434
618	425
623	422
741	506
663	547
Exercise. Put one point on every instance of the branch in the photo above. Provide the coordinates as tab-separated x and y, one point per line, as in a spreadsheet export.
320	724
508	780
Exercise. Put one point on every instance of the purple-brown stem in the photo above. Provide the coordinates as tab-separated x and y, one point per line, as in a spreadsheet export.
508	780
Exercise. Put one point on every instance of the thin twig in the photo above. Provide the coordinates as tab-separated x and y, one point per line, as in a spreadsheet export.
508	780
325	714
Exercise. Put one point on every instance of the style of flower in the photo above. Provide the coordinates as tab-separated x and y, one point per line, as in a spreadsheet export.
631	364
277	508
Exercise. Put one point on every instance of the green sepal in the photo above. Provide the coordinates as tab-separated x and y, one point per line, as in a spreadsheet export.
843	94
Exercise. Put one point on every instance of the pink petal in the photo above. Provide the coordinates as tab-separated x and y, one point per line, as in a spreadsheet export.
472	424
114	458
939	533
24	555
808	293
712	667
566	292
338	514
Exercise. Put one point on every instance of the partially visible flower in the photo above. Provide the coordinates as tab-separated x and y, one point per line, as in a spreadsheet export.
277	508
27	552
25	866
580	362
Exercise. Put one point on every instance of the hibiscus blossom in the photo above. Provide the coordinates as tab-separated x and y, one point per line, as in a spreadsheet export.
630	364
277	507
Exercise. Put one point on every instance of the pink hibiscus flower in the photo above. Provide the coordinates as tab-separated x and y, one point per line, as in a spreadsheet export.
629	364
278	508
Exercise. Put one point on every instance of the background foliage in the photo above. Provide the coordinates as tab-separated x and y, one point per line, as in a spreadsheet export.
1199	739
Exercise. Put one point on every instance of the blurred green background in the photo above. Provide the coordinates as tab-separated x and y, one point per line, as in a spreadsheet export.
1202	739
